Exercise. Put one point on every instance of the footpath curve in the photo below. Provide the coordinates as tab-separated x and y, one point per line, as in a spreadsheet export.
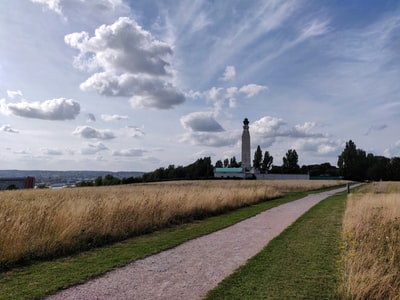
191	269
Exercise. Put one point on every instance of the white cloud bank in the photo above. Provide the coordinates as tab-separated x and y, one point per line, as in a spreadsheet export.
130	63
201	121
88	132
55	109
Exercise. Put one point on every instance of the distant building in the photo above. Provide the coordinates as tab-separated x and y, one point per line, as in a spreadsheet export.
17	183
246	171
246	160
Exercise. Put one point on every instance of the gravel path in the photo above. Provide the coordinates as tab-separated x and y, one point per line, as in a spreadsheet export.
191	269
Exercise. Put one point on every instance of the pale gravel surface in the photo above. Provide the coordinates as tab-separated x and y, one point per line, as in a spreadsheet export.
191	269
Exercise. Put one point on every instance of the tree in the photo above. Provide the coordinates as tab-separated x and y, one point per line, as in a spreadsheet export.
290	162
219	164
233	163
226	163
267	162
353	162
257	158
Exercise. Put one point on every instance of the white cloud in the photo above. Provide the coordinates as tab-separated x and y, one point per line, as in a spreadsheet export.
8	128
57	5
109	118
55	109
54	5
315	28
229	73
14	94
211	139
319	146
268	126
252	89
129	152
201	121
133	64
93	148
88	132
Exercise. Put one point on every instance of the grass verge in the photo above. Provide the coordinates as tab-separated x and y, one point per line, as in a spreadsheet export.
43	278
301	263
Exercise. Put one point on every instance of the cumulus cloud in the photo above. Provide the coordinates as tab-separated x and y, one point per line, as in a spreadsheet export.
88	132
229	74
8	128
211	139
55	109
319	146
201	121
93	148
129	152
268	126
109	118
132	61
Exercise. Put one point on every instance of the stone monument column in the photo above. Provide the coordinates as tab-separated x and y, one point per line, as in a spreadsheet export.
246	163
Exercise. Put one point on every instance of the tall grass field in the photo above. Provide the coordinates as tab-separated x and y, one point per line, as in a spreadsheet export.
371	248
38	224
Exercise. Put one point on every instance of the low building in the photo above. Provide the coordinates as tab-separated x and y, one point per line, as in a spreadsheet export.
17	183
232	173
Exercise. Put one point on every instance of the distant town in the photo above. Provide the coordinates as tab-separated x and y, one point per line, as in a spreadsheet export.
58	179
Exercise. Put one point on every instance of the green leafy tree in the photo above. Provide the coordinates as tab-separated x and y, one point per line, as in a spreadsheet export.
267	162
352	162
257	158
290	162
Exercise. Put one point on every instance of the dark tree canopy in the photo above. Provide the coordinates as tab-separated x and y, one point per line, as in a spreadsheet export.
267	162
290	162
352	162
257	158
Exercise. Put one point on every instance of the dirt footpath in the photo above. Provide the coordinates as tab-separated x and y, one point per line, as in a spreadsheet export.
191	269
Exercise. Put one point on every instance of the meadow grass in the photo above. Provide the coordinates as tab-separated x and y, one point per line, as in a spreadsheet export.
41	224
301	263
371	243
45	277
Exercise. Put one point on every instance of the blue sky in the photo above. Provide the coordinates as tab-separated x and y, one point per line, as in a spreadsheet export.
136	85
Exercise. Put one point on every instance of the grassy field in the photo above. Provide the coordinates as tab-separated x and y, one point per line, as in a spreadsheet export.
40	224
371	243
43	277
301	263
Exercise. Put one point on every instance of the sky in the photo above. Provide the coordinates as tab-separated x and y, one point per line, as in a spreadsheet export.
124	85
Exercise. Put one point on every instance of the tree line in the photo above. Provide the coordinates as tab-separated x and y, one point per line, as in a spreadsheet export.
353	164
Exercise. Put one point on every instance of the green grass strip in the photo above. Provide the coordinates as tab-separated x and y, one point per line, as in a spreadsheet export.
43	278
301	263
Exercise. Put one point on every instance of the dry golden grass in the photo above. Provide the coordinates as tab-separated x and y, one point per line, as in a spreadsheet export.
45	223
371	258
